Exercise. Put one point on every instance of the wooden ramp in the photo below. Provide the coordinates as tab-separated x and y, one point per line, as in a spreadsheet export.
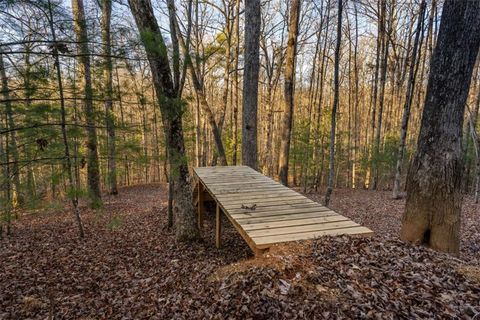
264	211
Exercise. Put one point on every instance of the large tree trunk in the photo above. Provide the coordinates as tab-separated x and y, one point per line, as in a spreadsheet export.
289	91
336	97
250	83
434	200
93	171
171	109
408	100
108	76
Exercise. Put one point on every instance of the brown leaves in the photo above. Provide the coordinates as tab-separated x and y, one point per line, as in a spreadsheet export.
139	271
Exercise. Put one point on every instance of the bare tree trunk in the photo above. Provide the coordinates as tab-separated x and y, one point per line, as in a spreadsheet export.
374	98
12	146
356	132
384	39
171	108
408	100
336	81
250	83
289	91
199	90
236	82
6	185
71	181
93	170
109	115
434	200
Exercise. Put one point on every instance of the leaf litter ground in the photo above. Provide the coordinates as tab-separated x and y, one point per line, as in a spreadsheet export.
130	267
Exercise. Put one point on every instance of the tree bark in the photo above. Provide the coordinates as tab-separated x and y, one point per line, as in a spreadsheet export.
250	83
289	91
384	40
434	201
408	100
236	32
171	109
336	97
93	171
109	115
12	145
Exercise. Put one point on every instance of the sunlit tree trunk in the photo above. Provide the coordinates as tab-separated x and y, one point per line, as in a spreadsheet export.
289	92
385	45
336	97
408	100
236	84
93	171
109	114
250	83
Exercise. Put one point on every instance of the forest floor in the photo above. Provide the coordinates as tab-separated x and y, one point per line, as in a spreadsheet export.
130	267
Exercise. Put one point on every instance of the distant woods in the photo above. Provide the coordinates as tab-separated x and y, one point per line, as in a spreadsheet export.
320	95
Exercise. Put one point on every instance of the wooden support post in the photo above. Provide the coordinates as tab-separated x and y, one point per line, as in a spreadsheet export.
200	205
218	229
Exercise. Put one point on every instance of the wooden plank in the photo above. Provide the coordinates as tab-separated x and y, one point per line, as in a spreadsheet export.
265	242
291	203
242	216
278	211
221	168
302	228
289	208
227	182
237	203
218	229
238	173
214	182
258	195
294	222
285	217
238	190
231	184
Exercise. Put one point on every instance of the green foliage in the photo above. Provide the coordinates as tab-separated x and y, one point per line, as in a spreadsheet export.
114	223
153	42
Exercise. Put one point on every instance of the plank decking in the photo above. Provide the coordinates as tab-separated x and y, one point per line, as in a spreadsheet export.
264	211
